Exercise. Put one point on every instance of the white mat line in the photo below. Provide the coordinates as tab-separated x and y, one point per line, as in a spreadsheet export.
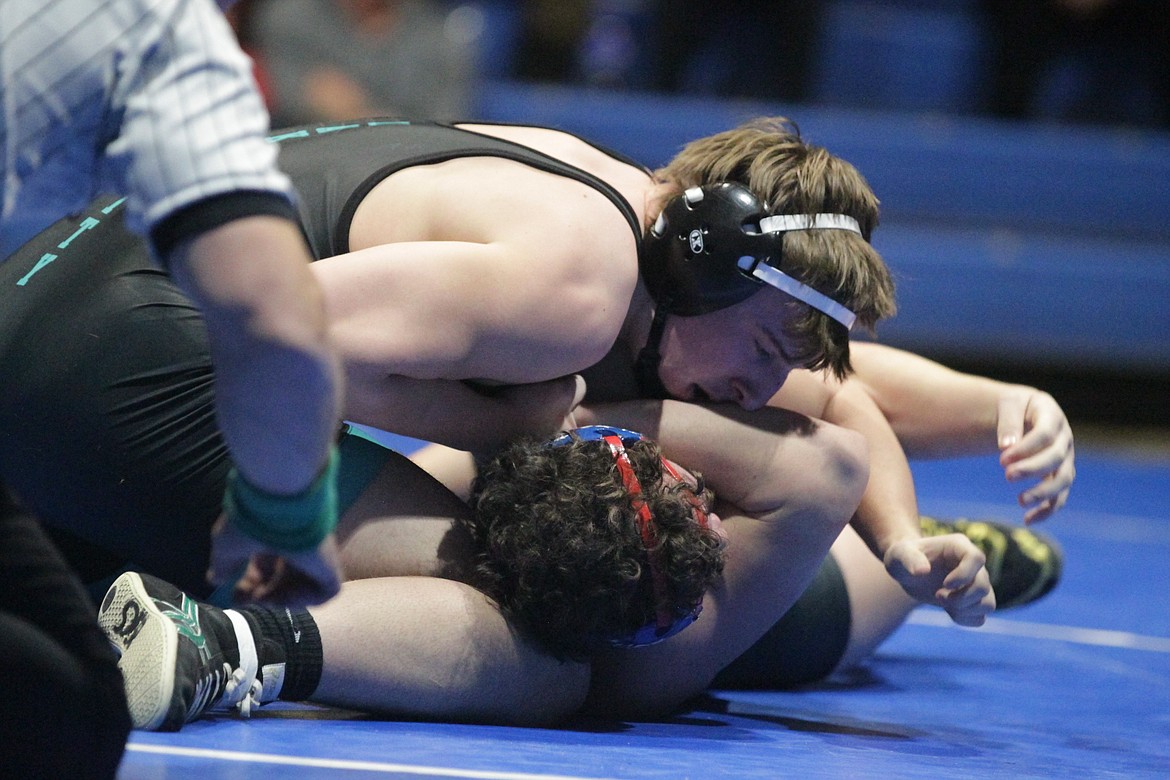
1084	636
332	763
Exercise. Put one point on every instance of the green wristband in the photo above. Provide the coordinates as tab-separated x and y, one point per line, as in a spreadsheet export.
291	523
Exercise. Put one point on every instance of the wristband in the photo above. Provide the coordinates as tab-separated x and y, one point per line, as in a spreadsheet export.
295	523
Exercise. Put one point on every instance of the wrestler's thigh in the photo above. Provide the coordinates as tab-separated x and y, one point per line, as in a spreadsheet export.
803	646
432	648
108	423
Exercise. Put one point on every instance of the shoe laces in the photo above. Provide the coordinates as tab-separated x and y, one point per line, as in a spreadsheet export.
208	690
243	688
242	691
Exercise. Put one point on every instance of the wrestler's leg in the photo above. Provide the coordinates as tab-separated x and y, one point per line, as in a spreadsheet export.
434	648
853	606
816	479
419	646
850	608
805	645
877	603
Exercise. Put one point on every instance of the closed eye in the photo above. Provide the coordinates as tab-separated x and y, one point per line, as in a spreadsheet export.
803	355
807	354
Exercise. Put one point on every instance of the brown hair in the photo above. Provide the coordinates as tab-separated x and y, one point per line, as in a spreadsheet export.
790	176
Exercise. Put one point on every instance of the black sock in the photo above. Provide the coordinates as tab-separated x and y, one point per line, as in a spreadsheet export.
290	637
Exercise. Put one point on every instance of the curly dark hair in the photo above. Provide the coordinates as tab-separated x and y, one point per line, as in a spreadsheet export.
558	547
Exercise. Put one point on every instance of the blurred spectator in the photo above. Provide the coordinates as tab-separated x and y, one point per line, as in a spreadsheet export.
763	49
240	16
550	40
599	43
1100	61
331	60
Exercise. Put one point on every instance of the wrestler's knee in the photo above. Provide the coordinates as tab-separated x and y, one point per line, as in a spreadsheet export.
838	481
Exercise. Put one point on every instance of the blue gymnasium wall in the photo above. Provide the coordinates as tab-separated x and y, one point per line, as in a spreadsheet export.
1021	244
1010	243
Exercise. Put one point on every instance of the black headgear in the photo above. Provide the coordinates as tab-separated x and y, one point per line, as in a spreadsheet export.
714	246
711	248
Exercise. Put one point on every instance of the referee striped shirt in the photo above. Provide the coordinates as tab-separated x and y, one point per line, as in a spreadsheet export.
152	99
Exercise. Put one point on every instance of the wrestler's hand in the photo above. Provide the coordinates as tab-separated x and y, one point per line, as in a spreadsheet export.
1036	445
946	571
262	574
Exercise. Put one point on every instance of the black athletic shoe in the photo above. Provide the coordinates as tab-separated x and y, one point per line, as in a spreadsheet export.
178	657
1024	566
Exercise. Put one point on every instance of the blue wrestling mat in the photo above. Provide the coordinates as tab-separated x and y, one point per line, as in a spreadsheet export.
1075	686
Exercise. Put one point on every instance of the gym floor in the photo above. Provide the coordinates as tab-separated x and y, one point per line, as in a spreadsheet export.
1074	686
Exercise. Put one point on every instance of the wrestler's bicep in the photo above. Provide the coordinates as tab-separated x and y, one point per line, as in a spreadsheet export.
461	310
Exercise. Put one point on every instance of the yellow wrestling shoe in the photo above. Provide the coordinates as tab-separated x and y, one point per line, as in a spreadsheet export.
1024	566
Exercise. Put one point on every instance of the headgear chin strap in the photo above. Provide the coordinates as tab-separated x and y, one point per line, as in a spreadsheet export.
798	290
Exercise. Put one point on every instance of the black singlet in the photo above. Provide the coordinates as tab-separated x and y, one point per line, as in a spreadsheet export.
333	167
107	422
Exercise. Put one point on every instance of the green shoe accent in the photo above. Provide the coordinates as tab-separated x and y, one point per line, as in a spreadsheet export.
178	658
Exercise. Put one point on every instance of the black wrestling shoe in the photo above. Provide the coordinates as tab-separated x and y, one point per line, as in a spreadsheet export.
178	657
1024	566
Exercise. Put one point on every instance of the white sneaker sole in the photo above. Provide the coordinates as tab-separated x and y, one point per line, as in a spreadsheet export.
147	642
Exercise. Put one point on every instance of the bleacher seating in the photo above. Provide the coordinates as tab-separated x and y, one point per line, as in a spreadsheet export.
904	55
1011	243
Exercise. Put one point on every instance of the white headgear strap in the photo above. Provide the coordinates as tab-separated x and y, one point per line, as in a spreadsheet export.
781	281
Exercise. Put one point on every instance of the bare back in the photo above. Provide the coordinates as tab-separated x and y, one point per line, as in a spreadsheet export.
419	194
484	268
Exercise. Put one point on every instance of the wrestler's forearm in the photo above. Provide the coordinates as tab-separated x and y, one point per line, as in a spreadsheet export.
889	508
456	414
934	410
278	383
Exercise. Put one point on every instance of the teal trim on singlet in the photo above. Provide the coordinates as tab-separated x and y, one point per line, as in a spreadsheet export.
83	224
361	460
307	132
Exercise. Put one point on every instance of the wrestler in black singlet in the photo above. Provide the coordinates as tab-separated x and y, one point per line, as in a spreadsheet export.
107	426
